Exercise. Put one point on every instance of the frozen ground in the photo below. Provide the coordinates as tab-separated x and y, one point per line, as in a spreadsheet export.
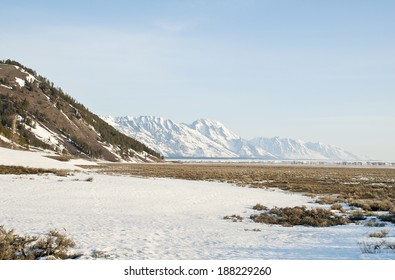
37	160
135	218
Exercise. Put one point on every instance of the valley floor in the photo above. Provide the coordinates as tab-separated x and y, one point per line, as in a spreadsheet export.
126	217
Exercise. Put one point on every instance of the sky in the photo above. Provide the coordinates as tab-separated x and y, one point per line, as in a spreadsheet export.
307	69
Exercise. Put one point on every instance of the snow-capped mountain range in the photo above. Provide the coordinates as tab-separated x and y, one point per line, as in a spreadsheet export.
211	139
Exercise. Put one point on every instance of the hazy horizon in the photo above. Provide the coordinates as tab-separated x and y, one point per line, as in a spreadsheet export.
309	70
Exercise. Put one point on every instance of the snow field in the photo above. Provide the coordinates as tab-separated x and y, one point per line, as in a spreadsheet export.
37	160
136	218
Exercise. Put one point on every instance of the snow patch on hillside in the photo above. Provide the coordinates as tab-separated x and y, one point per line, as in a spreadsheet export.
4	86
37	160
29	77
20	81
45	135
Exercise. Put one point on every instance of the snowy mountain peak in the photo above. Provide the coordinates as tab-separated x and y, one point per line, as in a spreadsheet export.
209	138
208	123
214	130
171	139
148	123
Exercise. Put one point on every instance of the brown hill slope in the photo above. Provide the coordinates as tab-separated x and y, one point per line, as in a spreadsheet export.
36	114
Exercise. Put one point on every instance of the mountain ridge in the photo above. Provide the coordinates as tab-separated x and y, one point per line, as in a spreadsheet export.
34	114
205	138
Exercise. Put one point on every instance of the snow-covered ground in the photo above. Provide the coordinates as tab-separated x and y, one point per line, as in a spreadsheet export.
137	218
38	160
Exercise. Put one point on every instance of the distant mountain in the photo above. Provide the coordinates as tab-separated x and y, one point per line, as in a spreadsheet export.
168	138
285	148
34	114
218	133
211	139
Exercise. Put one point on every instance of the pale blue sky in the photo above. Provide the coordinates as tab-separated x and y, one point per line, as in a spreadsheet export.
311	70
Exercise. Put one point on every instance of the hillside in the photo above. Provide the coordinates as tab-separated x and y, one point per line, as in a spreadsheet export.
34	114
211	139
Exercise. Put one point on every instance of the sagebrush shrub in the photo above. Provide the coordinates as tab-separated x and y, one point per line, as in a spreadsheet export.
259	207
54	245
299	215
357	216
388	218
381	234
234	218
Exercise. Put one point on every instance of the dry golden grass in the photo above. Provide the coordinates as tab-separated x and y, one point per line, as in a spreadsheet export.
337	207
20	170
